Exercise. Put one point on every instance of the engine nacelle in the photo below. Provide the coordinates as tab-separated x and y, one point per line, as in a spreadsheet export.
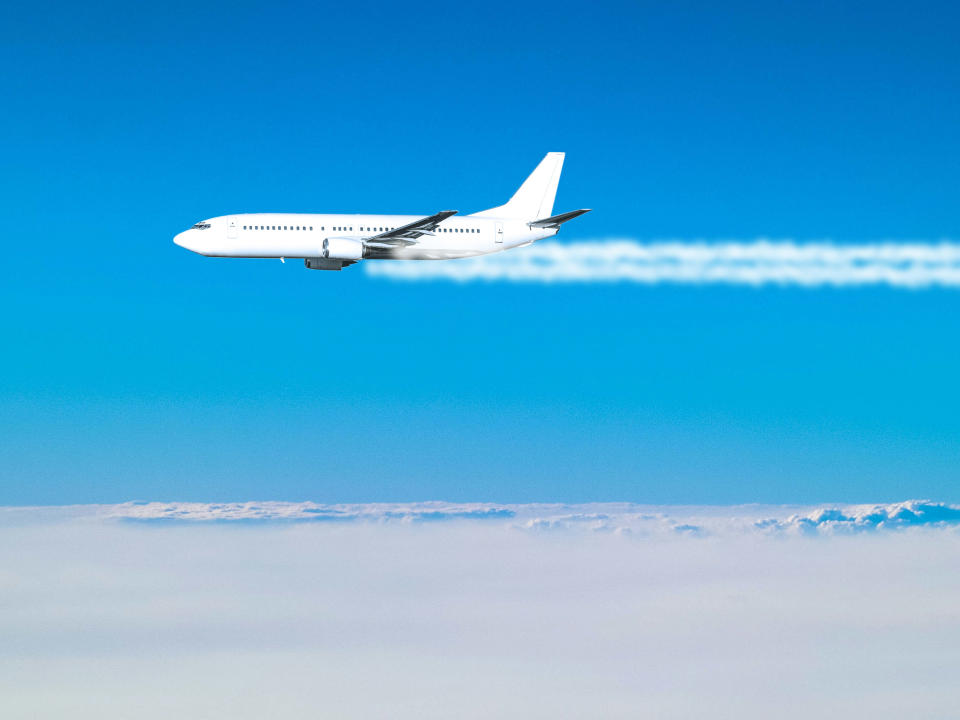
342	249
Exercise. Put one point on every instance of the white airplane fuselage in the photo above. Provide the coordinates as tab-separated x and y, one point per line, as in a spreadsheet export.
301	235
331	242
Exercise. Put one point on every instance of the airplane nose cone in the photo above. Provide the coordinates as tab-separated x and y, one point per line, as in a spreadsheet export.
186	240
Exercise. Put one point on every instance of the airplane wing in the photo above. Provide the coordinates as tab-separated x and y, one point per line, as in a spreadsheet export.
408	234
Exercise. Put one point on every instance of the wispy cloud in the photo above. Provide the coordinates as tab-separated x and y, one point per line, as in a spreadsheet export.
759	262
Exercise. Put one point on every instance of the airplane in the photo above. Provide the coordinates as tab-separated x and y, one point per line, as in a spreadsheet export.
332	242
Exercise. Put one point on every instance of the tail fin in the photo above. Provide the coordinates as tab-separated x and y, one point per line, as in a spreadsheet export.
534	199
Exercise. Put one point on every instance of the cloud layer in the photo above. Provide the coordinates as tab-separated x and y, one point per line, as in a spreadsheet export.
595	517
436	610
761	262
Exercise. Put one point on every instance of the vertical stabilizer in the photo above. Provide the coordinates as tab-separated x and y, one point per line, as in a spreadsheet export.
534	199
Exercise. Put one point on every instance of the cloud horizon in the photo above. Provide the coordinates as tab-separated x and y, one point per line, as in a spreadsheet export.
617	517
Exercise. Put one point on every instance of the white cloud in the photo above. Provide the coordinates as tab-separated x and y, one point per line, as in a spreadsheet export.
761	262
606	517
430	610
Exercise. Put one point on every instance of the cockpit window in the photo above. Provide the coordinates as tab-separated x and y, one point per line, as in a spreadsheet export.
200	226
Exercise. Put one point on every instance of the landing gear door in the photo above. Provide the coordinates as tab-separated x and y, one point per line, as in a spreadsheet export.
498	236
232	228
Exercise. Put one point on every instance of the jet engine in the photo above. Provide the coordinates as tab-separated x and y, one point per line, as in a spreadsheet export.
342	249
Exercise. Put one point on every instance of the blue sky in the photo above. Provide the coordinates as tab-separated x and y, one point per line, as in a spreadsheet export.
132	369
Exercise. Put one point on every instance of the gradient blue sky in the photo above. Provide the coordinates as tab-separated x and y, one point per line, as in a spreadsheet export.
132	369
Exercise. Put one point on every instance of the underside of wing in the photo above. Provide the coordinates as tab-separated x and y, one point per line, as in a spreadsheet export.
322	263
408	234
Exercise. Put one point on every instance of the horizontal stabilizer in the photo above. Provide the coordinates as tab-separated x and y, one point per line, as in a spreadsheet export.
557	220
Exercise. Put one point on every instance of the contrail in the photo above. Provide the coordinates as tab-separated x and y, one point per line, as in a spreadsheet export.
755	263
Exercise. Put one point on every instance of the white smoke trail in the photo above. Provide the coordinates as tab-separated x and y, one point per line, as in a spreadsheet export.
761	262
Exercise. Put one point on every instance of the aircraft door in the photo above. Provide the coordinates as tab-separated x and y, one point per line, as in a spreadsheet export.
232	229
499	232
